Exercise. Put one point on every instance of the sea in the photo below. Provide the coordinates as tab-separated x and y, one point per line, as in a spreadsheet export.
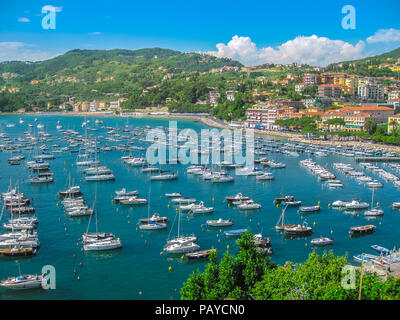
140	269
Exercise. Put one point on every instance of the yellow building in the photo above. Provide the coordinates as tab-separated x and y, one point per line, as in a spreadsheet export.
393	122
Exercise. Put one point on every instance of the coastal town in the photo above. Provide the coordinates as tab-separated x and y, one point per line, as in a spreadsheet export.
335	101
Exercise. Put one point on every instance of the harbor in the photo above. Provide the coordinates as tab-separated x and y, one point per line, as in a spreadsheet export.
101	163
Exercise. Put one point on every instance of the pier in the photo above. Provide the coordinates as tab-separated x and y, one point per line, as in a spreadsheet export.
377	159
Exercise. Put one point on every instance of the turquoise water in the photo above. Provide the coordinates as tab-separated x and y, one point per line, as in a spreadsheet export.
138	270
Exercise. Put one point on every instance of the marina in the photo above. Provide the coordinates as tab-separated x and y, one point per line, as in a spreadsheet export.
64	207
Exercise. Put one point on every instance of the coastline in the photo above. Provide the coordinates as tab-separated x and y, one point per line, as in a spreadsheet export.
211	122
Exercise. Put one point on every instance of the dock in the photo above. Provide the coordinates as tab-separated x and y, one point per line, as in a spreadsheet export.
393	269
377	159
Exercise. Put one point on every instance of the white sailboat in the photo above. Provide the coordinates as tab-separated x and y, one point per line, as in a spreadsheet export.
152	225
373	212
181	244
99	241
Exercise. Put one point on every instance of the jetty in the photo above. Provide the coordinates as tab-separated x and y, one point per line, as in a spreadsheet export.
377	159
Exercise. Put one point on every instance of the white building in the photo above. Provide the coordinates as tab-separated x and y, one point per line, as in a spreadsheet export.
230	95
370	91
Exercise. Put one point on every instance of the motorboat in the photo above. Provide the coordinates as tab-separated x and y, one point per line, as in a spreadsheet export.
173	195
181	247
124	192
360	230
102	245
356	205
322	241
310	209
219	223
249	205
238	197
298	230
204	254
152	225
23	282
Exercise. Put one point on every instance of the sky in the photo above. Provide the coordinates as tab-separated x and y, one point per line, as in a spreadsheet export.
252	32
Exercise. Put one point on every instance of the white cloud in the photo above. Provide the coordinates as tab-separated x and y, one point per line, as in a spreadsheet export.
11	51
385	35
311	50
23	19
96	33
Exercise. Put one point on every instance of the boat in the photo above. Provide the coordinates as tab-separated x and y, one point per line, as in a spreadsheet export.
380	249
43	179
373	212
360	230
219	223
200	254
238	197
124	192
280	225
265	176
173	195
150	223
71	191
263	244
299	230
154	218
18	251
279	200
92	242
100	177
249	205
359	258
182	200
201	208
356	205
395	205
292	203
162	177
310	209
133	201
181	244
321	241
23	282
102	245
235	233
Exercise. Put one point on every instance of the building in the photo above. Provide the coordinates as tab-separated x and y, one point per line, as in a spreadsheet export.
393	122
311	79
300	86
262	116
230	95
329	91
379	113
370	91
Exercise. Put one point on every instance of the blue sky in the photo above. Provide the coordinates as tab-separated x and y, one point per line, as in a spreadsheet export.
266	31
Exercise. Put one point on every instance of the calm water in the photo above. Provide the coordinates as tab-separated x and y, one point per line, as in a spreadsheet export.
139	266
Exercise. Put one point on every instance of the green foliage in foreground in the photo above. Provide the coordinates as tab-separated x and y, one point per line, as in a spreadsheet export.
251	275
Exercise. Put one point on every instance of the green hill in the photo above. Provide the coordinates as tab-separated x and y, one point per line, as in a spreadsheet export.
97	74
370	66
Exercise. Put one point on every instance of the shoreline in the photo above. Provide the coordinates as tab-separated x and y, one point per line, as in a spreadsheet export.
207	120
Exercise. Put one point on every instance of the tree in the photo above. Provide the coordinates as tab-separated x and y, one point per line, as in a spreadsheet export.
370	126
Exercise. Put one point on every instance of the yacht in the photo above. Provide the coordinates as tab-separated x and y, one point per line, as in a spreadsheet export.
219	223
23	282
